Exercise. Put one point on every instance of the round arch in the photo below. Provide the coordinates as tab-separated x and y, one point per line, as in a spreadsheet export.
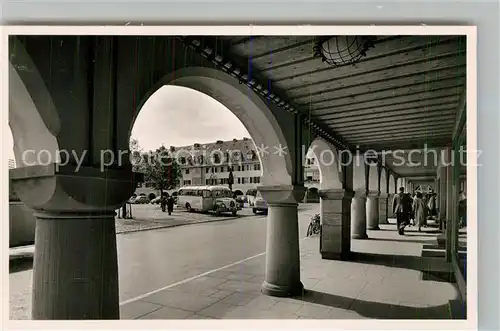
392	184
253	113
383	180
28	124
373	182
327	160
359	180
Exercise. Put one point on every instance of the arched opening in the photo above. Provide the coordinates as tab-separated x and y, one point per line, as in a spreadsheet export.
392	184
322	161
252	112
199	166
383	181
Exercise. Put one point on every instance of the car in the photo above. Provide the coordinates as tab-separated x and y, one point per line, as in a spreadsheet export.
259	205
156	201
141	199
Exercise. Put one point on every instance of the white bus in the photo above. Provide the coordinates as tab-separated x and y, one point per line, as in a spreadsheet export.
218	199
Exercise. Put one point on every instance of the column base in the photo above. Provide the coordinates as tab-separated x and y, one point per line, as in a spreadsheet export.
359	236
340	256
373	227
282	291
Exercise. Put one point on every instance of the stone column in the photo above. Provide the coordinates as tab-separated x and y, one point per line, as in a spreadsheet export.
75	270
383	208
358	215
336	223
372	211
282	277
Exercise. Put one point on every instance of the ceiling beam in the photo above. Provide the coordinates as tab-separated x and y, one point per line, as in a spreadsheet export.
385	46
373	62
461	113
383	82
388	120
424	126
399	137
370	109
442	87
219	53
388	113
392	133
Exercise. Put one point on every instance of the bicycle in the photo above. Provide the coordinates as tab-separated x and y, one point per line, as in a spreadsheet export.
314	226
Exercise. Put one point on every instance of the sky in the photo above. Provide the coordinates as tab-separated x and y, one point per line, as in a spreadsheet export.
178	116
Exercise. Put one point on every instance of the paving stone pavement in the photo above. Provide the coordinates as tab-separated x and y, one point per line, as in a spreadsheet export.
387	284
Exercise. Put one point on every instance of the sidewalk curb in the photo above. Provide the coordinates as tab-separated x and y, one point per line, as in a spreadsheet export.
181	224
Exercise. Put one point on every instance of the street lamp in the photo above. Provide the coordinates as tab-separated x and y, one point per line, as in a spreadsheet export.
343	50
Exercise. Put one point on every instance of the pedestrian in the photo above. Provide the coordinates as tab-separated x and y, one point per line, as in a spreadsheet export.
170	205
462	209
419	208
401	206
163	202
432	205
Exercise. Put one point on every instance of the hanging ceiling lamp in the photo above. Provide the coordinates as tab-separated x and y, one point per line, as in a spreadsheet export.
343	50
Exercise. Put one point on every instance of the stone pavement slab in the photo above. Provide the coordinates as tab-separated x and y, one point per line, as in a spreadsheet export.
384	281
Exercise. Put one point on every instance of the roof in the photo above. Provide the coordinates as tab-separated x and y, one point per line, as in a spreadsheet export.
205	187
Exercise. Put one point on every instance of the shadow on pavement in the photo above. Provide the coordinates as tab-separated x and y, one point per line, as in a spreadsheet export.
415	241
378	310
417	263
20	264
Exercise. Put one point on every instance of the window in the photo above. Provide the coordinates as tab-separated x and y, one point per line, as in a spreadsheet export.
207	194
215	169
256	166
251	180
187	182
187	171
207	170
221	169
257	180
239	180
243	180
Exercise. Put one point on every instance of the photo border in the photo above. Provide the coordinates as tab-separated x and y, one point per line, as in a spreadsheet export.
471	33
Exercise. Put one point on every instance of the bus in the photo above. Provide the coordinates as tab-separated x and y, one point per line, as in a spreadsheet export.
217	199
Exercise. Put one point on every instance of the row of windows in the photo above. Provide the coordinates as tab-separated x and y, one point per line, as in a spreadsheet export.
206	193
236	156
223	181
246	167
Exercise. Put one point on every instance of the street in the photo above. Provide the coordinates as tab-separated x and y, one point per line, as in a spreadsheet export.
153	259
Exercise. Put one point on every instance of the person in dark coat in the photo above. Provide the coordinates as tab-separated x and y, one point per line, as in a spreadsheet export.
170	205
163	202
401	206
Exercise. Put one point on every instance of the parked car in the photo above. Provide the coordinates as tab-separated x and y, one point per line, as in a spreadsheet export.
141	199
259	205
155	201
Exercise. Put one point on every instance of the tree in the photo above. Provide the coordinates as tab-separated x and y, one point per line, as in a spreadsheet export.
136	154
161	170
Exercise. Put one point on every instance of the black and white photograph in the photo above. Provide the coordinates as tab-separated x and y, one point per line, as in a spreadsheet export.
197	174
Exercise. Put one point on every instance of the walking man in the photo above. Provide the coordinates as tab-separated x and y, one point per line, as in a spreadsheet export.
401	206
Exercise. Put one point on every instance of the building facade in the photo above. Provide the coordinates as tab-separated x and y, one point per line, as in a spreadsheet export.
209	164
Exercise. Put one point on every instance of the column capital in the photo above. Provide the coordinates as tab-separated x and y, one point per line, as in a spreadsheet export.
56	189
373	194
360	194
282	194
335	194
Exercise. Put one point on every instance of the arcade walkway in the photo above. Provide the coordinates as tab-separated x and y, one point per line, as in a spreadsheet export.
395	283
